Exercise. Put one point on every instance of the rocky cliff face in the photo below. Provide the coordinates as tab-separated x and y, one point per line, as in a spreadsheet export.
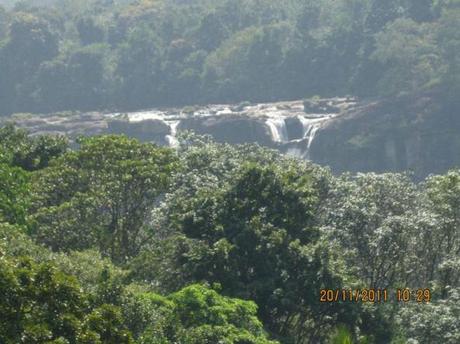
403	134
382	135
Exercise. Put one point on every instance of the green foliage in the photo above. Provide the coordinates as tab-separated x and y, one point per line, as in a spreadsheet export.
436	322
42	305
85	66
449	40
196	314
133	222
193	315
90	54
412	52
14	194
100	195
248	60
29	153
30	41
444	201
252	230
89	31
374	224
341	336
138	62
106	324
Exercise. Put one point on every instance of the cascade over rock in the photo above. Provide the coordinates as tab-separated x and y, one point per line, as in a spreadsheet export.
397	134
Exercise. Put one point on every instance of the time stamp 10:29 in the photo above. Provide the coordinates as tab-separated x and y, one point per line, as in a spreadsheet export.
375	295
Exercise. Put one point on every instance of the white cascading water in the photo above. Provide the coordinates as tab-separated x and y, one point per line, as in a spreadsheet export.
145	115
171	138
310	128
278	129
311	138
307	125
275	117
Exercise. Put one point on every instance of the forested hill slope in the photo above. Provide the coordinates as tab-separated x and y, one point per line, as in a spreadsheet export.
101	54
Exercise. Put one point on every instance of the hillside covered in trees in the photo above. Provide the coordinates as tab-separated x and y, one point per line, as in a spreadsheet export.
88	55
126	242
114	239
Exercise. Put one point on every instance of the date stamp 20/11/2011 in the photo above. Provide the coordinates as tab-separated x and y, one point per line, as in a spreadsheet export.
375	295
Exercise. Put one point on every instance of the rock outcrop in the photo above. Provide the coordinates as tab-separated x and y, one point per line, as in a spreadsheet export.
401	134
148	130
412	134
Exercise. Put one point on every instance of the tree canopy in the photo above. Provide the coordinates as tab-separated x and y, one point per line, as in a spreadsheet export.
88	54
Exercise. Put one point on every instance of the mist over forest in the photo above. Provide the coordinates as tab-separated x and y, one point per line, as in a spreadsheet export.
229	172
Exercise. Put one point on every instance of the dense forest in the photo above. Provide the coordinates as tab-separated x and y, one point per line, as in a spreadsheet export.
127	242
105	54
106	239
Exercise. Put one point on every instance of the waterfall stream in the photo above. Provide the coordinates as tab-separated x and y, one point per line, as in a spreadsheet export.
311	138
310	128
171	138
278	129
286	124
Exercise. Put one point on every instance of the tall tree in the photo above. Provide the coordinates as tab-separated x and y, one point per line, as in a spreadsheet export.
101	195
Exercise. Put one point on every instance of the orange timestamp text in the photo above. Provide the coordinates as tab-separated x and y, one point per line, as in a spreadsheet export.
375	295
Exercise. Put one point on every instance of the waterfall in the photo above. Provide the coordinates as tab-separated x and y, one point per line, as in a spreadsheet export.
310	128
171	138
278	129
307	125
311	138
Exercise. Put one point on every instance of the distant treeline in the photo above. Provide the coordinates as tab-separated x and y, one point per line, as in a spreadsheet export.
82	55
